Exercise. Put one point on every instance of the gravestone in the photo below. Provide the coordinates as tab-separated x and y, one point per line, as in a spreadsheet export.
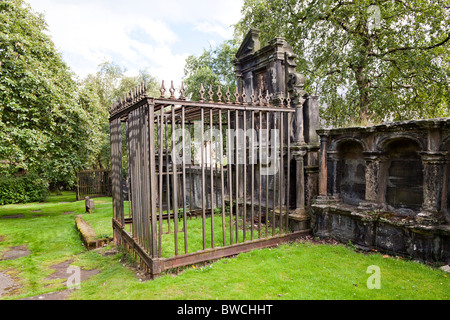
89	204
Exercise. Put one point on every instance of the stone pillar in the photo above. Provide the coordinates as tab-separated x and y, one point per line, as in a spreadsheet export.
433	182
323	172
295	88
300	182
375	180
298	129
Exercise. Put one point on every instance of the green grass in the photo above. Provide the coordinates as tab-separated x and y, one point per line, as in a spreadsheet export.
301	270
195	234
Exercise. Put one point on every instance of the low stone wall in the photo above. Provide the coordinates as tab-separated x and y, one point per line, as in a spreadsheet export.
387	187
383	231
88	235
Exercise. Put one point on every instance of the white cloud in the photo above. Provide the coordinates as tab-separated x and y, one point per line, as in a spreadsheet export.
136	34
210	28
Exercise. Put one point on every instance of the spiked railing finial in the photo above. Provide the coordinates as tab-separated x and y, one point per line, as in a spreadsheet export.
219	95
236	96
163	90
202	92
211	93
182	92
172	91
267	98
228	95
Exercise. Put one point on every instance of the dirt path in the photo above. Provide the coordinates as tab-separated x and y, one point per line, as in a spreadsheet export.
8	284
62	273
16	253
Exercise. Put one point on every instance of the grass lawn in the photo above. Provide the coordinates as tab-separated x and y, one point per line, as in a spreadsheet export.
298	271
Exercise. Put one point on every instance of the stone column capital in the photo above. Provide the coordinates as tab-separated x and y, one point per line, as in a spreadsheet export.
323	133
374	155
298	154
433	156
333	155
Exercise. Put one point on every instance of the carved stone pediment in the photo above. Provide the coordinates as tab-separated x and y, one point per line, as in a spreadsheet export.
250	44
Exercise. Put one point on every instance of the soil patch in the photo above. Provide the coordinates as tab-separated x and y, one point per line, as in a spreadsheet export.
16	216
60	295
61	271
7	284
16	253
2	238
68	212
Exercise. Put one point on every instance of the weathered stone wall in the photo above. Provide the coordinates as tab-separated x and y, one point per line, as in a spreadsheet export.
382	231
387	187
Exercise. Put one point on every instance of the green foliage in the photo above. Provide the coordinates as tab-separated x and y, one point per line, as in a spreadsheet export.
214	67
45	125
107	85
23	189
364	69
51	123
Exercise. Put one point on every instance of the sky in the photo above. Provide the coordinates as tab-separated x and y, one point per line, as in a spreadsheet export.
157	35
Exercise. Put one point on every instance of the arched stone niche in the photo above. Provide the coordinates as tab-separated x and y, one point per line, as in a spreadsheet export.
404	185
350	172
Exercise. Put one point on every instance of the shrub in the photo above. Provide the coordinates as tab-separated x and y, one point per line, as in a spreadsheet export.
28	188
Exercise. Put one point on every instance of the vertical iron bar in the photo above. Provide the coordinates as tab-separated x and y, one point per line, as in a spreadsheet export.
260	168
252	172
161	173
281	171
127	135
222	184
230	175
267	172
244	185
183	138
211	172
191	180
136	216
236	115
274	158
167	171
153	182
131	172
139	173
146	178
202	145
175	181
289	127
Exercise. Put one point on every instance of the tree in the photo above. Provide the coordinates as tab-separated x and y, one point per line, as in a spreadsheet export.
213	67
369	61
107	85
43	128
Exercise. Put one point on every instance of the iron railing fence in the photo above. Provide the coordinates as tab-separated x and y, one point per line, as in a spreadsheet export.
206	179
93	183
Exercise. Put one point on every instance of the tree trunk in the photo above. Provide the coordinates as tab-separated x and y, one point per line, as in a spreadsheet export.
363	88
